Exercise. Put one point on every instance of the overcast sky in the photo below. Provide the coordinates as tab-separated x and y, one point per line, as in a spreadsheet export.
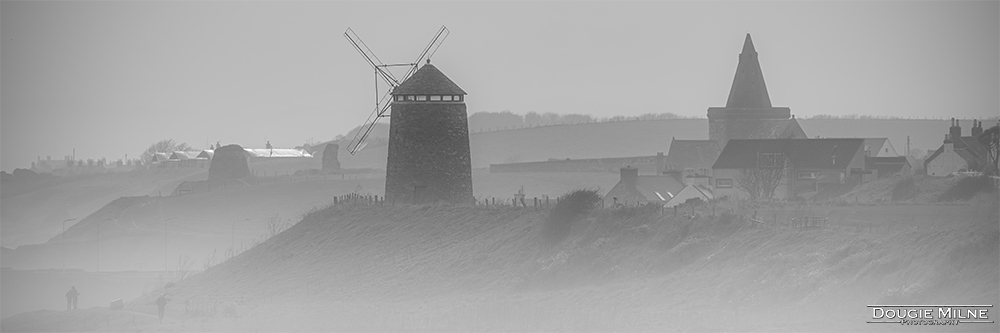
110	78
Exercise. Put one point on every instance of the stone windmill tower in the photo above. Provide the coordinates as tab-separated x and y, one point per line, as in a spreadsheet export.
429	157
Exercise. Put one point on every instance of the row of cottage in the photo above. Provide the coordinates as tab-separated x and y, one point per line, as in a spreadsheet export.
796	168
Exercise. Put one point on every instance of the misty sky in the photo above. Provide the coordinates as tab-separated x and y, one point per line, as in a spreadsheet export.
110	78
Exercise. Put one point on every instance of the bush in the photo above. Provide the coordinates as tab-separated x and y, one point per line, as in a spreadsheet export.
571	207
904	189
968	187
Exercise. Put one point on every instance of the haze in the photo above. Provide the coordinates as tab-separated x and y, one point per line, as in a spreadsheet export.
110	78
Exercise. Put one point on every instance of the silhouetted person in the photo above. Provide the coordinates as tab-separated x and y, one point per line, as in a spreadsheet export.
71	297
161	304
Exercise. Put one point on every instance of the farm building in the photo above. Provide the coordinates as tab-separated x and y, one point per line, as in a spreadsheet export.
958	153
275	153
748	113
634	189
187	159
812	164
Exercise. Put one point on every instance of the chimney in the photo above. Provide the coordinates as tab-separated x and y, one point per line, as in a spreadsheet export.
630	176
956	133
977	128
659	163
948	145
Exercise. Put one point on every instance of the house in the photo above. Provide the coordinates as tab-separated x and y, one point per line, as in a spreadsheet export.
634	189
879	147
812	164
689	192
883	167
692	156
188	159
958	153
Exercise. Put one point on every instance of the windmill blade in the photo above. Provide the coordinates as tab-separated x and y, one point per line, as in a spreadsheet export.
370	56
429	51
358	141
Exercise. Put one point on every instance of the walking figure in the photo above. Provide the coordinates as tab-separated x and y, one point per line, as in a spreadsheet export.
161	304
71	297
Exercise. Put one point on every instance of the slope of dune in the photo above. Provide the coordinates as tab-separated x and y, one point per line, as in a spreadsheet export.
34	212
462	268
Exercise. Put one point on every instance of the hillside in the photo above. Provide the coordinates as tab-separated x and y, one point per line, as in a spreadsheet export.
462	269
33	212
132	228
644	138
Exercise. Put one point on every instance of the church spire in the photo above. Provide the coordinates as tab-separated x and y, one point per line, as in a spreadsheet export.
748	90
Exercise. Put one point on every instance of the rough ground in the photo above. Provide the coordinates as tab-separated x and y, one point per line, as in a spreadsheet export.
447	268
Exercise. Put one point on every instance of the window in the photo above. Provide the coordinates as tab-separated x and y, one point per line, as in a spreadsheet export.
446	98
770	160
421	98
724	183
400	98
435	98
457	98
409	98
808	175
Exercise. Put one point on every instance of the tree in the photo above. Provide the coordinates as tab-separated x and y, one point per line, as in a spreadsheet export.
761	182
163	146
991	140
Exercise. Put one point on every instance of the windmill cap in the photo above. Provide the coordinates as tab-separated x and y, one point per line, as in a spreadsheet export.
428	80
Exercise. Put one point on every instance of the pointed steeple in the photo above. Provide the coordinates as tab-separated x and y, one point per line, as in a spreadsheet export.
748	90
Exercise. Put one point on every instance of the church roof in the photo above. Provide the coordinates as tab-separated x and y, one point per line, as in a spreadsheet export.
428	80
694	154
748	90
803	153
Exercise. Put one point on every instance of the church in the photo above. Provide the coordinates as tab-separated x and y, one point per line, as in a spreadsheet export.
748	113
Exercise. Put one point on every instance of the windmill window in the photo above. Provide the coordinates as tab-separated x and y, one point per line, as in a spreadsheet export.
421	97
458	97
400	98
435	98
446	98
409	98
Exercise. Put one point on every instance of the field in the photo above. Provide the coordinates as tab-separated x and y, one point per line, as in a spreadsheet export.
451	268
646	138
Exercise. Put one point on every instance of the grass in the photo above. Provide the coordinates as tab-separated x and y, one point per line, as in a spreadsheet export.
968	187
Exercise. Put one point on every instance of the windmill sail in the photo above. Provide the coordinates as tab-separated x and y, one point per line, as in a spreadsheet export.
383	104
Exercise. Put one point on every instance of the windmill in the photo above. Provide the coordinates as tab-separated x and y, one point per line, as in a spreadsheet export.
384	101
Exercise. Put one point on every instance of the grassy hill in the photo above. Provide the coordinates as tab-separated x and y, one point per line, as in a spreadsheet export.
462	269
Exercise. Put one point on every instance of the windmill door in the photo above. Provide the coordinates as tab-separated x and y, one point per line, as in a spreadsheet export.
421	194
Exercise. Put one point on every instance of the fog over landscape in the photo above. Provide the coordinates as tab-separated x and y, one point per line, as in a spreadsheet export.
499	166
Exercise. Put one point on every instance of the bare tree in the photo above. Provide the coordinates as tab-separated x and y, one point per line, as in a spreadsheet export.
991	140
163	146
762	181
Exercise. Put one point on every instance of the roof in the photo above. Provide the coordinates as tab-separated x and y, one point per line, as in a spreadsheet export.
160	157
658	188
648	188
428	80
207	153
184	155
692	154
688	192
276	152
748	90
803	153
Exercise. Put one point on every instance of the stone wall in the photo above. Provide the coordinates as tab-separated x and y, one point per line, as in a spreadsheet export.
229	162
429	157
